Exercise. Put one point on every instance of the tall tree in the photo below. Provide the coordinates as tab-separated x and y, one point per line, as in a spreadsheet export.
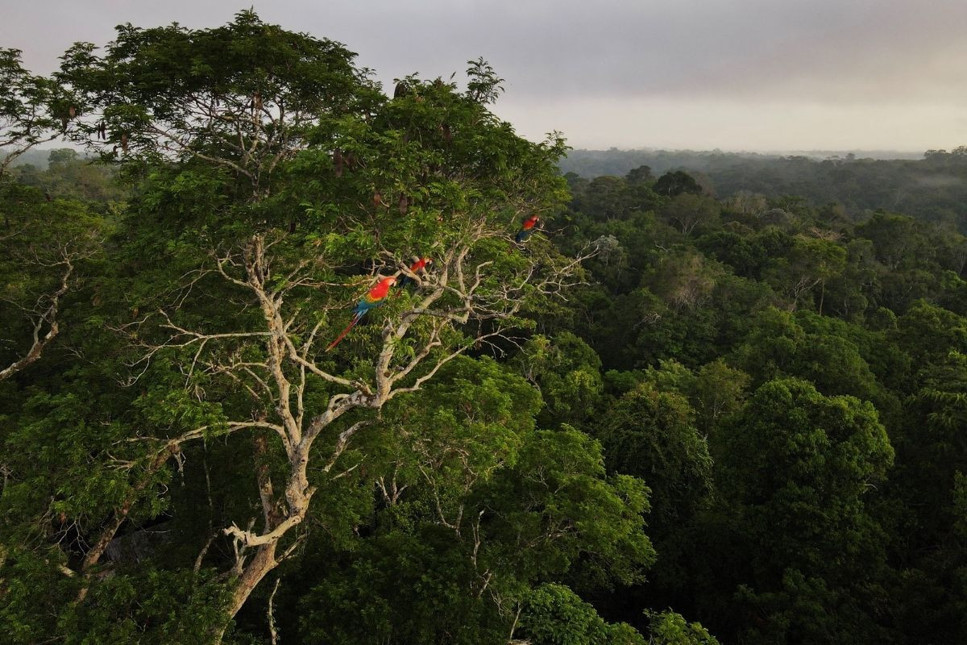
281	185
797	468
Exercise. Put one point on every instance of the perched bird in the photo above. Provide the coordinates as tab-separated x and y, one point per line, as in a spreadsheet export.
527	228
371	300
415	268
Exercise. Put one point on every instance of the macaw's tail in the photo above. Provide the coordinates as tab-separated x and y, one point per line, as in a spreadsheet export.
345	331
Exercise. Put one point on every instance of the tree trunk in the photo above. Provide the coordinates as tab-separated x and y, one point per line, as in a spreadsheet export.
257	568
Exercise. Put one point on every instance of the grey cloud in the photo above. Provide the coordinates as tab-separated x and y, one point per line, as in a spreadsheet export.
570	54
612	47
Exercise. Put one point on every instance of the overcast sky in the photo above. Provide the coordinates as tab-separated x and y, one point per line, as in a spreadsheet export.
765	75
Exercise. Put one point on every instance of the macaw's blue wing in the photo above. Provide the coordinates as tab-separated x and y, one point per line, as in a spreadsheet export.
365	305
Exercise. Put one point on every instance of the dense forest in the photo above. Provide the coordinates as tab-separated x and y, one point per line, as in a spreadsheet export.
287	358
932	187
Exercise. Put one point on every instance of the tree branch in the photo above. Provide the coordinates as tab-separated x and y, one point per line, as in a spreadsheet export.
47	317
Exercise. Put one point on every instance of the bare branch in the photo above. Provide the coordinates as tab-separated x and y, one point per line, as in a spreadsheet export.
342	443
250	539
47	318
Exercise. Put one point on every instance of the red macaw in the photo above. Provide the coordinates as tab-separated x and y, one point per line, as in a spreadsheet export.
415	268
527	228
371	300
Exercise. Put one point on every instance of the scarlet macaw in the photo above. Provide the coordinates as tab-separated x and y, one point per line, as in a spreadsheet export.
415	268
527	228
371	300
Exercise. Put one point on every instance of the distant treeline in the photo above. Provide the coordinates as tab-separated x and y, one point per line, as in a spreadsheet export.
38	157
933	187
615	161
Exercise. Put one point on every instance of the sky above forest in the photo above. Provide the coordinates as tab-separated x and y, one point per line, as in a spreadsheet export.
734	75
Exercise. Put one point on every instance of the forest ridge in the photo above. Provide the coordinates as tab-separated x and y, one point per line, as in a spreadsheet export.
651	405
932	186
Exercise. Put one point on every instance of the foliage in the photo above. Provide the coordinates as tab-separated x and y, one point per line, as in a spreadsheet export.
567	373
33	109
669	628
49	247
651	434
554	615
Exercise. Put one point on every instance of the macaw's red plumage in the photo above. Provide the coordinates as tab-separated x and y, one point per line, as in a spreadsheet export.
419	264
371	300
528	226
415	268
